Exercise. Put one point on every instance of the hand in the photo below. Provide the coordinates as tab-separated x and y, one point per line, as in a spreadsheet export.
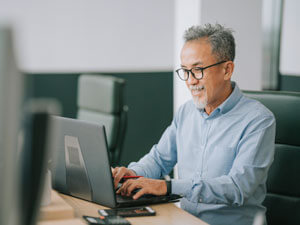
119	172
146	185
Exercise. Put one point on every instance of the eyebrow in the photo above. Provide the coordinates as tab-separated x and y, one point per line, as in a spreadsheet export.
194	64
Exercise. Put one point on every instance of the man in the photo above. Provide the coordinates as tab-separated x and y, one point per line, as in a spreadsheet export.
222	141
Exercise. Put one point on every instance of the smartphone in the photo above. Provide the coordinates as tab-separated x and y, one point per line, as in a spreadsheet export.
112	220
128	212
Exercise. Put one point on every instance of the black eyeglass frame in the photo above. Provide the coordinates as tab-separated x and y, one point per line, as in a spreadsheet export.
200	68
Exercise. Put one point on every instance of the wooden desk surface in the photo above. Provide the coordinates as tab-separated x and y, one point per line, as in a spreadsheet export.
57	210
165	213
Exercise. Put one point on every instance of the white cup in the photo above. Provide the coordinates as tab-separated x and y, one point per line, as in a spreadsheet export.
46	197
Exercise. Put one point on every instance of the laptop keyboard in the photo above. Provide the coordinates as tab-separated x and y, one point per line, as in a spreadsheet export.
121	198
145	199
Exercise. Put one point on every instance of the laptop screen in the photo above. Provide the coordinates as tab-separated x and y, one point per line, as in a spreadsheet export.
81	165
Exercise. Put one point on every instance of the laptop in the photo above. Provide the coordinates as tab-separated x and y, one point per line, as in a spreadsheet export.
81	166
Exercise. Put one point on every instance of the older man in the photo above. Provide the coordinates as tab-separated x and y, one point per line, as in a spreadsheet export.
222	141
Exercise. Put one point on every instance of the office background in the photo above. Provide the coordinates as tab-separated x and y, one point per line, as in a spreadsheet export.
140	41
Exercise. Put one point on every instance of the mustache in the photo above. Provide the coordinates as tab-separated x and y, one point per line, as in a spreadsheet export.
196	87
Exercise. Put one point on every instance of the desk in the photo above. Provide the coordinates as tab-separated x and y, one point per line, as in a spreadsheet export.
166	214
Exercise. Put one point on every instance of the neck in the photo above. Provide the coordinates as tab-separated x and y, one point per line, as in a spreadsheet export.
211	107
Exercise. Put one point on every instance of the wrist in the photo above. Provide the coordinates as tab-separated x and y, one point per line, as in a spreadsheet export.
132	172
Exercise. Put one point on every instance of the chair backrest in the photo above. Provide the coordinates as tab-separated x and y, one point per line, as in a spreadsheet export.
100	99
283	184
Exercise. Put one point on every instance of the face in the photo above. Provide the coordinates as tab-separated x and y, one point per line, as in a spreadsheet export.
211	90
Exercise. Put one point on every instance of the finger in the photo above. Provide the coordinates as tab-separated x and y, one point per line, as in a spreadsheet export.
121	189
133	186
118	176
125	186
139	194
114	171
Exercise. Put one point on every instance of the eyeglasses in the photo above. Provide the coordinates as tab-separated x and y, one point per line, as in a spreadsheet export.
197	72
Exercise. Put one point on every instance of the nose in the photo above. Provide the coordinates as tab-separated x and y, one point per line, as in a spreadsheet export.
192	79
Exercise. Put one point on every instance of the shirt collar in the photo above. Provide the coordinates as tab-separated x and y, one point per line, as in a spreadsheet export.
232	100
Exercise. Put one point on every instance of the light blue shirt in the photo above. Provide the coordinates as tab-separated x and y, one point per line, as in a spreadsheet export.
223	159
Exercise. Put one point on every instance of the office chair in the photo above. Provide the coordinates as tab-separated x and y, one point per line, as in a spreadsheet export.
283	184
100	99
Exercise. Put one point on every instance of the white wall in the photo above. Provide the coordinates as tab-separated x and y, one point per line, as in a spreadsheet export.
245	18
129	35
187	13
290	45
95	35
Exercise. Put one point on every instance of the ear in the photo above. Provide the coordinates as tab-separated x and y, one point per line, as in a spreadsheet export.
229	67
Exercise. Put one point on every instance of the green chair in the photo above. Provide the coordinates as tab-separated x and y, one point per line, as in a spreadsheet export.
283	184
100	99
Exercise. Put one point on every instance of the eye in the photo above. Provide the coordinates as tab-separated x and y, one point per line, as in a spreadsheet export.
197	70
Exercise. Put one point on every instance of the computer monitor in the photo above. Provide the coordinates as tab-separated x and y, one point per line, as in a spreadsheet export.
34	157
22	166
11	85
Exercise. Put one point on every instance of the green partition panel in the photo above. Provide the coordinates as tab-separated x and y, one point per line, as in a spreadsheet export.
290	83
149	97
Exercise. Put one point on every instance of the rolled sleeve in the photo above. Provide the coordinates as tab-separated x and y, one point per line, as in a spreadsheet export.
182	187
162	157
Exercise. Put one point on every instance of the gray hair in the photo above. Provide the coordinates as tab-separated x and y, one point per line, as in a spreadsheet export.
220	38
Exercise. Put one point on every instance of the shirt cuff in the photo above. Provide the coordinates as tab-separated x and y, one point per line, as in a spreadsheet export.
182	187
138	170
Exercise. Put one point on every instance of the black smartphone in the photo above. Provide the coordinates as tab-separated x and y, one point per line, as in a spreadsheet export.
128	212
112	220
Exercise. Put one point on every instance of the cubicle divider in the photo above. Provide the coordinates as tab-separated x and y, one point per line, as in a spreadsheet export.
149	97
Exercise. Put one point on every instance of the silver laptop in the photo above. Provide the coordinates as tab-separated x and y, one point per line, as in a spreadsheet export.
81	165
